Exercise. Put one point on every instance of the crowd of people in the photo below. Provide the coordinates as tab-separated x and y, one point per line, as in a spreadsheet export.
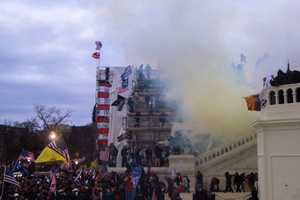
155	156
135	183
233	183
85	183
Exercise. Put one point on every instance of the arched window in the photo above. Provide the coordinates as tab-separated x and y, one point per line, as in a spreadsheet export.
280	97
298	95
272	98
290	98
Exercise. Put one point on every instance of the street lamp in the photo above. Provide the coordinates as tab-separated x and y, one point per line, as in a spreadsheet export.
52	135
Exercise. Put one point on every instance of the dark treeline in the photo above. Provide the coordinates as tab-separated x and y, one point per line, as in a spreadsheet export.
13	139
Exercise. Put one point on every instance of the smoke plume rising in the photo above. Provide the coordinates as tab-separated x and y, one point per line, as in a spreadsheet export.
195	43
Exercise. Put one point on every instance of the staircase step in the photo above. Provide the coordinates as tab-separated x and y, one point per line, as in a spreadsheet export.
232	195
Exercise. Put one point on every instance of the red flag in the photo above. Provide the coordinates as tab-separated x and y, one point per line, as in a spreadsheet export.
96	55
253	102
98	45
102	142
101	119
103	106
53	182
104	155
154	197
103	95
104	131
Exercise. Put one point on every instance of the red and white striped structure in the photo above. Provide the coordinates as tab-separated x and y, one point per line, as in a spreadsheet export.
103	110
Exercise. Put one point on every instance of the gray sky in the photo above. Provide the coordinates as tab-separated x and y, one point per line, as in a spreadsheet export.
45	51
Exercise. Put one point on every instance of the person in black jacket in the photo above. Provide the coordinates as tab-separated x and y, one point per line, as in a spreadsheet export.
228	182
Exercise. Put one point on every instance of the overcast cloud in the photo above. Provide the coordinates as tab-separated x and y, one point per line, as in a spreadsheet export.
45	48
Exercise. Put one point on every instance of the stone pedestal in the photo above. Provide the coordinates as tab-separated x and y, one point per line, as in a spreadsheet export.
185	164
278	145
278	159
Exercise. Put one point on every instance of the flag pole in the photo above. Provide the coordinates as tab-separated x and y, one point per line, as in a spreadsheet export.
99	60
2	190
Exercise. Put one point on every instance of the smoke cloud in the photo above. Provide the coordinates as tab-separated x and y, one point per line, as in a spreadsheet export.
196	43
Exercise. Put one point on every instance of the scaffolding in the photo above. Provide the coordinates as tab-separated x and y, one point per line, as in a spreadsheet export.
150	115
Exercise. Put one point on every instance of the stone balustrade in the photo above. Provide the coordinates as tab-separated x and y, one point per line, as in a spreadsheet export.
226	149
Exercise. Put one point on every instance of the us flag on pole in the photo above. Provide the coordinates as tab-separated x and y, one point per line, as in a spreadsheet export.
104	155
98	45
96	55
63	151
9	178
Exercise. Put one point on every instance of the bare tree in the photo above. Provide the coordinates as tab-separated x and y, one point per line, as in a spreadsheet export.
31	124
49	118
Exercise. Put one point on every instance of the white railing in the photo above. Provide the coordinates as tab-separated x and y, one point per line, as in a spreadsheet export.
226	149
230	196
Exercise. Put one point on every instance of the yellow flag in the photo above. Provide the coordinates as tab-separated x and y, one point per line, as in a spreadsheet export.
49	155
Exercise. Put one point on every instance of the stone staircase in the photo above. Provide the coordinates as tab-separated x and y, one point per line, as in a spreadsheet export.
238	156
219	196
232	196
226	151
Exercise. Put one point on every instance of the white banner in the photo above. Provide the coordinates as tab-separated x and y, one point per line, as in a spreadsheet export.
103	89
102	125
102	100
104	113
102	137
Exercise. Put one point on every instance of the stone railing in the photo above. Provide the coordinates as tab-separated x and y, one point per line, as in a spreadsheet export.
231	195
225	150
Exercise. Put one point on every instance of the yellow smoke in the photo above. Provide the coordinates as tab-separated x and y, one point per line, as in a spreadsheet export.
192	43
212	95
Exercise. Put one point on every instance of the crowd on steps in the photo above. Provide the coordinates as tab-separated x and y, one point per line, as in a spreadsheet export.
233	183
74	182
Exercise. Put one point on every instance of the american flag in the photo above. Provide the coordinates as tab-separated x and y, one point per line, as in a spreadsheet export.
26	155
53	182
96	55
104	155
62	151
98	45
9	178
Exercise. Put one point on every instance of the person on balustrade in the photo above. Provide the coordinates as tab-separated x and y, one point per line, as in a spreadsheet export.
215	185
228	178
237	182
199	181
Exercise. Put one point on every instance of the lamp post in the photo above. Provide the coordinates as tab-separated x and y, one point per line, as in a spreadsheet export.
52	136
